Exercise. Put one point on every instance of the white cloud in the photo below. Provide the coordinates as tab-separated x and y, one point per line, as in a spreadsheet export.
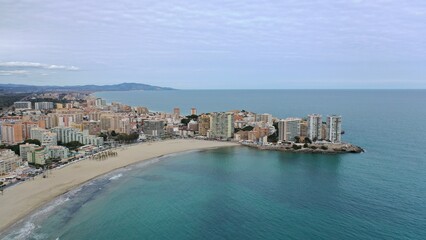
36	65
13	72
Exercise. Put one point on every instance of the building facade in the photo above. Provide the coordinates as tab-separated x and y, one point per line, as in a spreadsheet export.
24	149
154	128
203	124
334	128
288	129
37	156
9	161
315	126
68	134
43	105
221	125
22	105
11	133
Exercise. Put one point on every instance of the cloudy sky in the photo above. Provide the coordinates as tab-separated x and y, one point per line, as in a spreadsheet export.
215	44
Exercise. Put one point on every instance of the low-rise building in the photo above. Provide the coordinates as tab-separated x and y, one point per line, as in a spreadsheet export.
57	152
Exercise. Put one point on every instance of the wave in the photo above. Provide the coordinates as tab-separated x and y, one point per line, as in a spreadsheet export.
116	176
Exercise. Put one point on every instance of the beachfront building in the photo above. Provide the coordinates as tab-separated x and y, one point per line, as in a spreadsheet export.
45	137
193	111
43	105
24	149
203	124
22	105
37	156
11	133
68	134
315	126
221	125
9	161
154	128
57	152
334	128
288	129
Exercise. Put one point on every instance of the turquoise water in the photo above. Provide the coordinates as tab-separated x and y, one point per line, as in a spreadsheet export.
241	193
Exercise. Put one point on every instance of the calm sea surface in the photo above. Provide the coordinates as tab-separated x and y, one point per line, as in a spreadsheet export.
241	193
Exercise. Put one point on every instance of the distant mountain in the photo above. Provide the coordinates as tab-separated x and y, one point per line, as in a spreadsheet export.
88	88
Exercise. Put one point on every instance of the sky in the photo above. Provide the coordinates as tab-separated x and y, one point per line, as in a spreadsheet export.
216	44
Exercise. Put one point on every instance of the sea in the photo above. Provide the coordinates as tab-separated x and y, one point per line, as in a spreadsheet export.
243	193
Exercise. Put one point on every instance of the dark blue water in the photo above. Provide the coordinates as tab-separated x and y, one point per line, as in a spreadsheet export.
241	193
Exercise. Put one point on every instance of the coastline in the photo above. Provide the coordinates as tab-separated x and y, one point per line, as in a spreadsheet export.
23	199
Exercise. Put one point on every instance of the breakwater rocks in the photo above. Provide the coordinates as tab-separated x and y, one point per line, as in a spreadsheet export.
326	148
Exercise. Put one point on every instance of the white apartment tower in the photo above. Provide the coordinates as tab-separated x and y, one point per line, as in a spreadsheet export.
334	128
314	126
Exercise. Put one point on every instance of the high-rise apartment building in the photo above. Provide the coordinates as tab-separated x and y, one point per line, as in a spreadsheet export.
315	126
334	128
221	125
203	124
288	129
43	105
11	133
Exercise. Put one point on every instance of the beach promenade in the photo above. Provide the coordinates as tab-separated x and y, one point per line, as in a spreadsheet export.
20	200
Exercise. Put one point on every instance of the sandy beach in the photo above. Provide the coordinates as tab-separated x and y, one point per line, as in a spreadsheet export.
19	201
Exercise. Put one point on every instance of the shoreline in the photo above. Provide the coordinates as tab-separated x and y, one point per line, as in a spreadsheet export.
24	199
